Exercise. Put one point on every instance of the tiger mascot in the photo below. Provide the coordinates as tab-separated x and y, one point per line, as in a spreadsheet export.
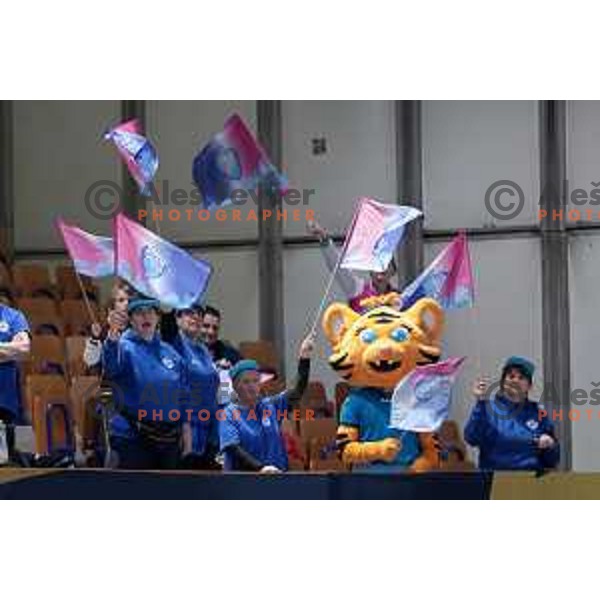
373	352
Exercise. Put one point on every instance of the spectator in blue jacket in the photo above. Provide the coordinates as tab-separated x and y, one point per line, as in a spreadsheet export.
507	428
15	345
149	426
182	329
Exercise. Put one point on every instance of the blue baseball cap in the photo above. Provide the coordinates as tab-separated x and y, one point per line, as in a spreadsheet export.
524	365
139	302
243	366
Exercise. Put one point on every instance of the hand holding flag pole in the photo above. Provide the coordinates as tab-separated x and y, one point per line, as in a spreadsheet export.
375	232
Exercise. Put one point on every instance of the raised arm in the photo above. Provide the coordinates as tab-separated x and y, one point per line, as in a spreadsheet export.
349	283
295	393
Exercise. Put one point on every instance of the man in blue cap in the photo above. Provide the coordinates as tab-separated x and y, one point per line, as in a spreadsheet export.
508	428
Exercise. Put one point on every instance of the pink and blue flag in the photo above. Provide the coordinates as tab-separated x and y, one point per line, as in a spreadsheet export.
374	234
448	279
137	152
232	160
421	401
92	255
156	267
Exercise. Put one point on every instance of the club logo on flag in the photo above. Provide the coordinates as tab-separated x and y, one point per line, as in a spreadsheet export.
154	265
421	401
429	387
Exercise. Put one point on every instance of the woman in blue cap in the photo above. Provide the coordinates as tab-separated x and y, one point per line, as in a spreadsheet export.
250	432
182	329
507	428
148	427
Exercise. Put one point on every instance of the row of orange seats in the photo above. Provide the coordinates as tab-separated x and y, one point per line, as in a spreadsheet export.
34	280
51	354
59	317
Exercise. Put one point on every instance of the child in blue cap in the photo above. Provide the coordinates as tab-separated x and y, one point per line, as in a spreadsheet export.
250	432
507	428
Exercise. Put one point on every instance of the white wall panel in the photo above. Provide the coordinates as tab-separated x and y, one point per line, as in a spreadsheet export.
583	155
469	145
359	160
585	333
59	154
234	291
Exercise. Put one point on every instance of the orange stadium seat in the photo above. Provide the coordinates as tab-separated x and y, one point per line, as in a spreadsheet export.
42	315
315	399
76	316
47	386
263	352
340	393
297	458
454	451
83	392
48	400
47	356
318	437
52	424
32	280
75	346
68	286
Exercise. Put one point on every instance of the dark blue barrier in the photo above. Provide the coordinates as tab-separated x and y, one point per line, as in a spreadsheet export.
129	485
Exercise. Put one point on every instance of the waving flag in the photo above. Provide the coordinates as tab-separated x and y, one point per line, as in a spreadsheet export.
157	268
375	232
448	279
233	160
92	255
421	401
138	153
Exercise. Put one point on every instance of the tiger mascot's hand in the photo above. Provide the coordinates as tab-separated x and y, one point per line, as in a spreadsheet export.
352	451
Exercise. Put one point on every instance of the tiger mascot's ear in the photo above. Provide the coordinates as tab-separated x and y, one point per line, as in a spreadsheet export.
338	318
429	316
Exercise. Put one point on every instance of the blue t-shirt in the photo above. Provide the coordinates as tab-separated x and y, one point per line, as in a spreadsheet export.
256	430
12	322
368	409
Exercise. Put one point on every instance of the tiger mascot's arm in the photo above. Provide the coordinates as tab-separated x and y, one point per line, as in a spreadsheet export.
352	452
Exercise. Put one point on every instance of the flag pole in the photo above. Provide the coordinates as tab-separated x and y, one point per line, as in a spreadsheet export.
326	294
336	268
86	300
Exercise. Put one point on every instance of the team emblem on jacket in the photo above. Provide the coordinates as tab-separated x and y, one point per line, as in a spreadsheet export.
3	326
168	362
532	424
